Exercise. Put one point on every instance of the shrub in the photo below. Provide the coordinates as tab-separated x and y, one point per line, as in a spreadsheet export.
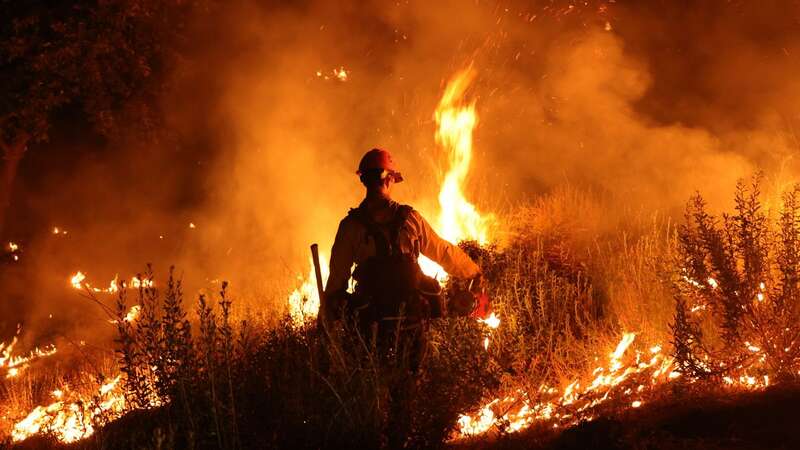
736	289
225	385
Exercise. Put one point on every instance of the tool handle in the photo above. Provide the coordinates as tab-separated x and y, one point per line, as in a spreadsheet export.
317	271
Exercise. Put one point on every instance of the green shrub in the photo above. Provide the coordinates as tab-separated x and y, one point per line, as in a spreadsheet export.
736	289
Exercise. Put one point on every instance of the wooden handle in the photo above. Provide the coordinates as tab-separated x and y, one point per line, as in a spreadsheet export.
317	270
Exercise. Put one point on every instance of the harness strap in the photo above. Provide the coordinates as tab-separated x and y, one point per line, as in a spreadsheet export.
383	247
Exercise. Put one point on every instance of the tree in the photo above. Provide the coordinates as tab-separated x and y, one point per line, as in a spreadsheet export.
107	57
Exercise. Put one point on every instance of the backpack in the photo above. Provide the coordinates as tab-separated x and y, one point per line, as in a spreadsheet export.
391	283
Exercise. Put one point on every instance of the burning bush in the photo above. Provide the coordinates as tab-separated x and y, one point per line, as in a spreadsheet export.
737	292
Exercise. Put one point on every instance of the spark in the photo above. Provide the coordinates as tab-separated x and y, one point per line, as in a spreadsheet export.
339	74
492	321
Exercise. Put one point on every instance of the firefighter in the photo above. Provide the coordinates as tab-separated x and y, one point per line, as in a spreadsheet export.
384	240
392	298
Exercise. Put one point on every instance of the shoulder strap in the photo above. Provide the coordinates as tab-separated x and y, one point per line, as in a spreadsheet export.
400	217
382	247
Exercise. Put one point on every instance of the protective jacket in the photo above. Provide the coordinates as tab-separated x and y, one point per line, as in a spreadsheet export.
415	236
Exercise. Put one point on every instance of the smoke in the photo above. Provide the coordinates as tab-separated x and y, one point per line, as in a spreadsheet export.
591	97
643	103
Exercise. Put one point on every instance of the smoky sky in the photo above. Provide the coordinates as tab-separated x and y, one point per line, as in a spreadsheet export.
643	102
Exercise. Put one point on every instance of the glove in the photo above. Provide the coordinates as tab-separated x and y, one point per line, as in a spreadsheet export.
461	304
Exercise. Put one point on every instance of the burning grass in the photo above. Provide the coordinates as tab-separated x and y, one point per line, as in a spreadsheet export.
581	333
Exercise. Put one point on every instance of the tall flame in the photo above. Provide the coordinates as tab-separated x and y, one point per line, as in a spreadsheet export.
458	219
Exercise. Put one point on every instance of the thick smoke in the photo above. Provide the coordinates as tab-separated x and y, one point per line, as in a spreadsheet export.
644	103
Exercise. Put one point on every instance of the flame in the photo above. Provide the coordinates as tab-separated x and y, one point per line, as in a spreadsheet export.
304	301
77	279
576	401
458	219
14	365
340	74
492	321
628	377
78	282
131	316
72	421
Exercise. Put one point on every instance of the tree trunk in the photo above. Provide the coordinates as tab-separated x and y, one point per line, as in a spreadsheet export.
12	155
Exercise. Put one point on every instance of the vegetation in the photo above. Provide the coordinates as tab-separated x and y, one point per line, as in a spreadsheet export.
204	377
737	302
69	56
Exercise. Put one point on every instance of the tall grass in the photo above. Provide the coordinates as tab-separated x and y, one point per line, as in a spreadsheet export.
565	281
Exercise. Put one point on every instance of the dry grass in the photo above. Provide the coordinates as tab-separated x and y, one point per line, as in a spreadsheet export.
566	280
